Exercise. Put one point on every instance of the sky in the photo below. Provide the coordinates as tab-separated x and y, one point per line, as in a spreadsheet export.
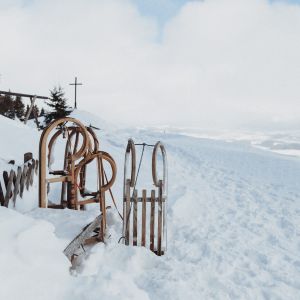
210	64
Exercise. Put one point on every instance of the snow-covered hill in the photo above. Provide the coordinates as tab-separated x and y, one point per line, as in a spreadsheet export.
233	227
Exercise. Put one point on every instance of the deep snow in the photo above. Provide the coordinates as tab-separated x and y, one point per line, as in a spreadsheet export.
233	227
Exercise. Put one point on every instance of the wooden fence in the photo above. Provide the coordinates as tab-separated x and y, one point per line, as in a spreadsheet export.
16	180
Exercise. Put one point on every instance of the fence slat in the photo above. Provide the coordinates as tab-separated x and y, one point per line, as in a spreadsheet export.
17	184
9	188
32	172
1	195
143	242
152	220
134	237
5	178
23	179
28	176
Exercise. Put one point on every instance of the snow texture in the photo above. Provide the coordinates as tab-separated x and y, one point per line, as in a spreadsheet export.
233	227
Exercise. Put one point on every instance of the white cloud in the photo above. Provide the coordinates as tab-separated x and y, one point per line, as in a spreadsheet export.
219	62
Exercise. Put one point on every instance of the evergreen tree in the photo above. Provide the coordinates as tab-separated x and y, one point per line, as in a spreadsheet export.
58	105
19	108
6	105
42	113
35	112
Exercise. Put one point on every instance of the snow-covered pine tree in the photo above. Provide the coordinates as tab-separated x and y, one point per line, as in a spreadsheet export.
58	105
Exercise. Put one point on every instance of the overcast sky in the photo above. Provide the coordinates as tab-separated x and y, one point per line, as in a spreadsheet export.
213	63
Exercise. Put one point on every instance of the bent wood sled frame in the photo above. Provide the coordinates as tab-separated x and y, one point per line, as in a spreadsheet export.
72	176
153	231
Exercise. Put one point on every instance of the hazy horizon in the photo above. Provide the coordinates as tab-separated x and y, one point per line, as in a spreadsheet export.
212	64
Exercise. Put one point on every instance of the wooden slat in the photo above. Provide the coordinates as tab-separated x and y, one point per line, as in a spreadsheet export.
88	201
27	157
36	166
148	199
32	172
27	182
159	222
127	215
17	185
143	241
152	220
23	179
76	142
134	237
59	179
5	178
1	195
9	188
103	211
82	237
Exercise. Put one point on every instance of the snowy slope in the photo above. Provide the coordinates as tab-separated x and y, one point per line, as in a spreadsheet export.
233	229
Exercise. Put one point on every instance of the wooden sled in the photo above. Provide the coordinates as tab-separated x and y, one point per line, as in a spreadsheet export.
151	222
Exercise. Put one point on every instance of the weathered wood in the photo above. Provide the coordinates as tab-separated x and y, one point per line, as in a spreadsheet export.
36	167
27	157
9	188
27	182
23	180
59	179
76	142
1	195
80	239
152	220
32	100
148	199
17	185
134	226
159	222
143	239
127	215
103	210
32	172
5	178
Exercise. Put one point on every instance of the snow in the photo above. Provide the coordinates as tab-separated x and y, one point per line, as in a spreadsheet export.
233	225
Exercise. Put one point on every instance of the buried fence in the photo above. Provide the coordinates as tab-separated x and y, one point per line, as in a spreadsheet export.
15	181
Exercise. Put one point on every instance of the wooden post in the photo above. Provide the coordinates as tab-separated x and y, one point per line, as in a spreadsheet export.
143	242
134	237
32	100
152	220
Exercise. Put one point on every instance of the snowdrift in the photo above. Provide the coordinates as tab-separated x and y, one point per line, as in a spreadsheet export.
233	227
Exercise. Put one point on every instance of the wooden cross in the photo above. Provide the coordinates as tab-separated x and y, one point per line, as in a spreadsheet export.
75	84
